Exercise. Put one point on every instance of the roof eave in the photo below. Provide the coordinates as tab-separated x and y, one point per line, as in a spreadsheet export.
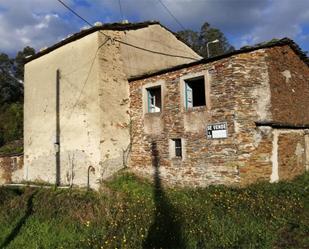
83	33
282	42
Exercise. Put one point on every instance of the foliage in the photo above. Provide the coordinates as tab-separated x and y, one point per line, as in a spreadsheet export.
11	148
11	89
132	213
11	123
198	41
20	60
11	98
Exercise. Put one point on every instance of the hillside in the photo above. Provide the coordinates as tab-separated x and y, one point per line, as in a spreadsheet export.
132	213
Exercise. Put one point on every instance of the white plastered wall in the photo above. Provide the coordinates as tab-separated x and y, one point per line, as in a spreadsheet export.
94	103
79	113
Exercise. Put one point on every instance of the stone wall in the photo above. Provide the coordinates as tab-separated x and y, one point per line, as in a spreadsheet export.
239	93
289	81
234	84
11	168
291	154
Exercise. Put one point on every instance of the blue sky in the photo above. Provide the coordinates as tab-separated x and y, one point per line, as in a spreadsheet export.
40	23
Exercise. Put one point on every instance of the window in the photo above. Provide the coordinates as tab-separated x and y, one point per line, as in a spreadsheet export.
195	92
154	99
178	147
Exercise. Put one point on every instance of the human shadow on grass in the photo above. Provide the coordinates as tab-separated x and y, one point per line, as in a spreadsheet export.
20	223
165	232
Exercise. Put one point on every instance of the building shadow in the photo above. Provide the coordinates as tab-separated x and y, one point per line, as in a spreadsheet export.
165	232
20	223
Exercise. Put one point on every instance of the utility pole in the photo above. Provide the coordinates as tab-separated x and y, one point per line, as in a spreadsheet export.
57	142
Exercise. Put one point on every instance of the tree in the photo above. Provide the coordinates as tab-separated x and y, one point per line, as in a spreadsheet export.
20	60
11	76
11	123
10	88
198	41
191	38
11	95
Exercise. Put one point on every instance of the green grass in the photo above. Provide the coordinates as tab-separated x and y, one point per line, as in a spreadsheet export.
11	149
133	213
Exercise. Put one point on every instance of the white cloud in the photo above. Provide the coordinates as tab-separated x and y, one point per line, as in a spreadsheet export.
32	23
282	18
40	23
245	21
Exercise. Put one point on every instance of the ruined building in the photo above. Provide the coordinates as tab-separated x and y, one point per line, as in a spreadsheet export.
102	99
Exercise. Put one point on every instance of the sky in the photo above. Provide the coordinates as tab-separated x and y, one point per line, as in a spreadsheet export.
41	23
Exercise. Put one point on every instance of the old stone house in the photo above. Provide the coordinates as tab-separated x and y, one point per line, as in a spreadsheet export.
77	122
120	95
233	119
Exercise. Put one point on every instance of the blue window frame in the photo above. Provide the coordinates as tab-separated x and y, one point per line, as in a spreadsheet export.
195	92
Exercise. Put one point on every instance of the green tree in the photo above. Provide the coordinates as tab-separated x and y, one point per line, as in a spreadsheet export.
11	89
11	122
191	38
11	95
198	41
20	60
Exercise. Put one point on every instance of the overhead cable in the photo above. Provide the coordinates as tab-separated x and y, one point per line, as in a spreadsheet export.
75	13
126	43
172	15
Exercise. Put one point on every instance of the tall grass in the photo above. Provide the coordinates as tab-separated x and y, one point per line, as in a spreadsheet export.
133	213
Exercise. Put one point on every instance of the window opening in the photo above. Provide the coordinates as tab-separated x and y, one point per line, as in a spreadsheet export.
178	147
154	99
195	92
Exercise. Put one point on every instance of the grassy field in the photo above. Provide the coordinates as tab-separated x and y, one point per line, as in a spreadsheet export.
133	213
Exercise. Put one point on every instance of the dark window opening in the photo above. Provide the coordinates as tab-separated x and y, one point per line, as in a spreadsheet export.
154	99
178	147
195	92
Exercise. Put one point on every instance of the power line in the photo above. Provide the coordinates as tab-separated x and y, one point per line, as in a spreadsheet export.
75	13
125	43
173	16
156	52
79	16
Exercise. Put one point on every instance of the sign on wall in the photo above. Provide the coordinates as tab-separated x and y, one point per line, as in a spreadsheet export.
218	130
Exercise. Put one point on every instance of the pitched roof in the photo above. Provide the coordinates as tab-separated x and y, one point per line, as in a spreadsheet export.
273	43
82	33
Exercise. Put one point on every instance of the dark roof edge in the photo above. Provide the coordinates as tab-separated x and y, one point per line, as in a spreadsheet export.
247	49
83	33
279	125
